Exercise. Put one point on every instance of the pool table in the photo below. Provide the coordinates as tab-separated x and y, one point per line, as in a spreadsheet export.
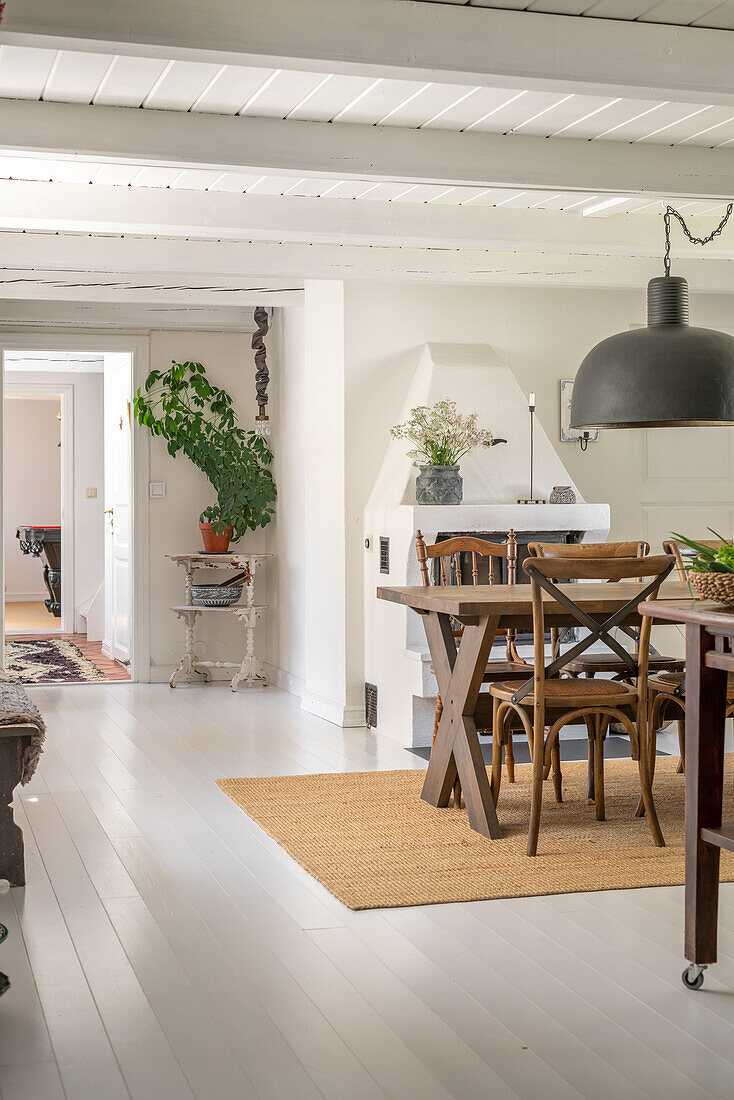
46	540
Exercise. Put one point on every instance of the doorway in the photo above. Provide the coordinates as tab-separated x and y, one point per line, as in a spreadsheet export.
71	459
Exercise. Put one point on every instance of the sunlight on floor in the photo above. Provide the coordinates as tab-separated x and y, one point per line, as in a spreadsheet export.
22	616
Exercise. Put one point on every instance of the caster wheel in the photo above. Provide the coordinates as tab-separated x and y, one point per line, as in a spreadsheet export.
692	977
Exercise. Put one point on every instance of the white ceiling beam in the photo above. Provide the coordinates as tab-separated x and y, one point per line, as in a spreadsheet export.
385	38
347	150
82	260
213	215
157	290
133	317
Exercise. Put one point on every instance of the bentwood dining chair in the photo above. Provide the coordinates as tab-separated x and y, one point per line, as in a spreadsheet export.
547	702
593	664
470	560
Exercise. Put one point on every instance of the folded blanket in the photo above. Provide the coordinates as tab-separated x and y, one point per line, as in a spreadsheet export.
16	709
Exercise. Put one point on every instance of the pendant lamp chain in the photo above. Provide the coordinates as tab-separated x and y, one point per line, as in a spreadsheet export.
671	212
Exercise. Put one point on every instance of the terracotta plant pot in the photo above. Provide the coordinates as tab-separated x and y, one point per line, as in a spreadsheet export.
214	543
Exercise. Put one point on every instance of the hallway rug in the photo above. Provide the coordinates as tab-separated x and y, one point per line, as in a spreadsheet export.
370	840
49	661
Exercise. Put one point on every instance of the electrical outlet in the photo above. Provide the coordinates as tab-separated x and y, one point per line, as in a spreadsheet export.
91	494
157	490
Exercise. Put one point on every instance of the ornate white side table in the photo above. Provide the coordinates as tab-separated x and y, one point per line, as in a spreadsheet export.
249	671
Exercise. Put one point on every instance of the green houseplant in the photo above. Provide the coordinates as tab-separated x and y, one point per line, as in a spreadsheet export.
710	569
441	436
197	418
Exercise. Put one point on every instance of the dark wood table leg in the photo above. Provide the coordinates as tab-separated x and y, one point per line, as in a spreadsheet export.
12	750
705	725
457	749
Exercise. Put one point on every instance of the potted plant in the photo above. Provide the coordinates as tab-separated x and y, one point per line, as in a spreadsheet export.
441	436
710	569
197	418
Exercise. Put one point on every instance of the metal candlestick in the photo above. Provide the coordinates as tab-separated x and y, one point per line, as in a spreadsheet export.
531	499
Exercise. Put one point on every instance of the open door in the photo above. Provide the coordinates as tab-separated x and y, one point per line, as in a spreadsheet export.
118	506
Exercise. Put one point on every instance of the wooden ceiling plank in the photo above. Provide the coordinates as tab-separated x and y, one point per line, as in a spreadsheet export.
721	18
478	107
181	86
332	98
23	72
386	97
433	100
129	81
76	77
681	12
440	43
284	93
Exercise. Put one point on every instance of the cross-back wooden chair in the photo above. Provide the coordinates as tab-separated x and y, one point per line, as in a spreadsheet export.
546	701
449	567
592	664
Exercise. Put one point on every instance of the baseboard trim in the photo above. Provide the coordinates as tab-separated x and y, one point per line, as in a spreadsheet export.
26	597
295	685
331	711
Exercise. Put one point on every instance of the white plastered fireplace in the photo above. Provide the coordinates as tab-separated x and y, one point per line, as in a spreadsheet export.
473	375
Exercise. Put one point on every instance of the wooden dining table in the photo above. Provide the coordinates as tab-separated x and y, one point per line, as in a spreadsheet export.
482	610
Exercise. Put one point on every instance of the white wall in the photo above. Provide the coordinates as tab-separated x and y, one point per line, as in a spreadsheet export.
174	522
88	471
32	488
283	633
655	481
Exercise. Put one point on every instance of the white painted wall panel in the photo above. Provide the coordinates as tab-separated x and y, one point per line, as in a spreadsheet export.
32	488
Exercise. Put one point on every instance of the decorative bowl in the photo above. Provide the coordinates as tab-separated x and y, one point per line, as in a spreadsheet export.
211	595
714	586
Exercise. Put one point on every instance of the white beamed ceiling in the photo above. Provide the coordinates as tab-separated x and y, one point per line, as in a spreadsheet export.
151	84
682	13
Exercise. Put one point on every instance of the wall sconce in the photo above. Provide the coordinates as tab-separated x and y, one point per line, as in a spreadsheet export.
582	436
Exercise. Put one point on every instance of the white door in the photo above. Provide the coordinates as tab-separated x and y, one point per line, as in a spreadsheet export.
118	506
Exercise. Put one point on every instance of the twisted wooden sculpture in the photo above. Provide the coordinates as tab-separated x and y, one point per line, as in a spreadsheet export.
262	376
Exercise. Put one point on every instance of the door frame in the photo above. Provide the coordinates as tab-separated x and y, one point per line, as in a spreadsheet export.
138	345
65	392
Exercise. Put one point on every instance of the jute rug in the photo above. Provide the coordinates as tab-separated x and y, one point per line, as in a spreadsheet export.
373	843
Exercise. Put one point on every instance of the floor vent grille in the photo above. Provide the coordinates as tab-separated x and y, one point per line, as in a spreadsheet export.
370	706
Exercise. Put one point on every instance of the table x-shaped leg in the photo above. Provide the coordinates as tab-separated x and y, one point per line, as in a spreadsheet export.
459	673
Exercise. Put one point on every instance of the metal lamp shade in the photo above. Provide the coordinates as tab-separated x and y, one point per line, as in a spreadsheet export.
665	375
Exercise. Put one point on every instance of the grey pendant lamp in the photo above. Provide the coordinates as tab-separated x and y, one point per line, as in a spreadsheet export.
667	374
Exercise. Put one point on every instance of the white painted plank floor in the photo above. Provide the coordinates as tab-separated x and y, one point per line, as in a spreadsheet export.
165	948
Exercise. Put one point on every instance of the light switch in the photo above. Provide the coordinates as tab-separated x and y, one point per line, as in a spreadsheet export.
91	494
157	490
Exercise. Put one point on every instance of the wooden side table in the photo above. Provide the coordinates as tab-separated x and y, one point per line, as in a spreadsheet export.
709	659
249	671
